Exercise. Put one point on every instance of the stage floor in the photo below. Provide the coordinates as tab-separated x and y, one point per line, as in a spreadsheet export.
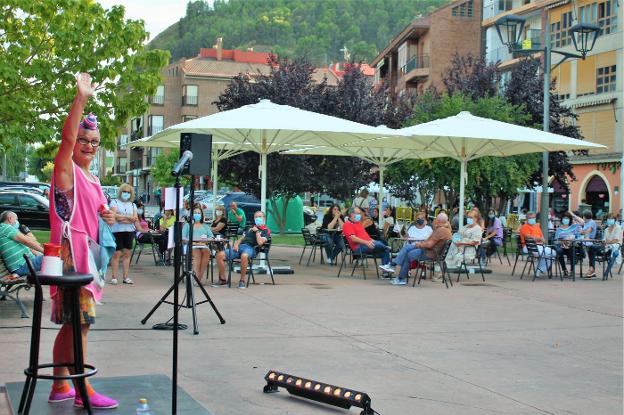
126	389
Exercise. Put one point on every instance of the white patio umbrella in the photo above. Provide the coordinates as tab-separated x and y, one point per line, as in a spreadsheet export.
266	127
466	137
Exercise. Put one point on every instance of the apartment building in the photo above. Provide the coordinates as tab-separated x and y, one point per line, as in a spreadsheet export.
418	56
591	87
190	86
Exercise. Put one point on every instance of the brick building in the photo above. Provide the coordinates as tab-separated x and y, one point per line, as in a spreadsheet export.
190	86
418	56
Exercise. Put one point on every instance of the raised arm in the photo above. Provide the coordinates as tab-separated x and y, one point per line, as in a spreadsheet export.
63	169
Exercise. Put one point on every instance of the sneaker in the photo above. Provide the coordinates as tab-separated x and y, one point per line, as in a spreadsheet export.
114	281
61	396
386	276
387	268
128	281
398	281
435	278
329	261
539	273
97	401
241	285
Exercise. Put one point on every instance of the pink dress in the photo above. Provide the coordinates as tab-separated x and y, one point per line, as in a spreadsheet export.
83	224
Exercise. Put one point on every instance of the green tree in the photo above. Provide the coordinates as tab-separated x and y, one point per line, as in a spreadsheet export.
161	169
44	43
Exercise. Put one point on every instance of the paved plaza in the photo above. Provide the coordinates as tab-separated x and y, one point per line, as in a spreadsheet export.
508	346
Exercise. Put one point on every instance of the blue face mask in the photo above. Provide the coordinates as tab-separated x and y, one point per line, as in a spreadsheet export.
565	221
258	221
610	222
197	217
357	217
469	221
532	221
491	216
420	221
125	196
16	224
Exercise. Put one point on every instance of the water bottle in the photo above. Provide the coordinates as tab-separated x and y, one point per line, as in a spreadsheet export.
143	408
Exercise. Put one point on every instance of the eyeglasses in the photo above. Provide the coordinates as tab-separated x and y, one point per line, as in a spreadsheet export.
93	143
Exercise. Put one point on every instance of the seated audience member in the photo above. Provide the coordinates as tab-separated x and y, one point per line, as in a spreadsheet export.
466	241
14	244
430	243
244	249
360	241
611	245
531	229
201	250
166	224
219	224
494	233
142	227
236	215
388	224
567	232
332	223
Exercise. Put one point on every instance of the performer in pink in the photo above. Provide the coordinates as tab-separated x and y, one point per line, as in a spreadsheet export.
76	200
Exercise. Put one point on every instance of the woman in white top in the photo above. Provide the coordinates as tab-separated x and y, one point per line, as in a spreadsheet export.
466	242
612	242
124	230
388	223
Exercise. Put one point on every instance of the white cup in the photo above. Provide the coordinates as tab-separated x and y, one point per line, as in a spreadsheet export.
52	265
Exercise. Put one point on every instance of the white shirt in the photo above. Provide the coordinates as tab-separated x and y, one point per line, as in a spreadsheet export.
123	208
420	234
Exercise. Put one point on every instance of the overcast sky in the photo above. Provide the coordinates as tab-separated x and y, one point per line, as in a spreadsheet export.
157	14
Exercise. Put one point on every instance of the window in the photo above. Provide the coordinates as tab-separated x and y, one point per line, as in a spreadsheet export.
463	10
605	79
555	34
155	124
189	95
402	59
123	141
159	96
28	202
560	34
186	118
603	14
504	5
7	200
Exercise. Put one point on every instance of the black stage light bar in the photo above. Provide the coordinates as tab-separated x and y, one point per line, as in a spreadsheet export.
318	391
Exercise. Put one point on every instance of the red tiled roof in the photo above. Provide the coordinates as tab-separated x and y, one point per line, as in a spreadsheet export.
235	55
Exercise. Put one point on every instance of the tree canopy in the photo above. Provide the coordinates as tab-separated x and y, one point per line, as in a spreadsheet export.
45	43
316	30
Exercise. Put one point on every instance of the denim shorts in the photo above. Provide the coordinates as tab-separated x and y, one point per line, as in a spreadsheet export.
242	249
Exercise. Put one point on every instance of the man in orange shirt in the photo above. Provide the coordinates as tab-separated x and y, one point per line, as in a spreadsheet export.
532	229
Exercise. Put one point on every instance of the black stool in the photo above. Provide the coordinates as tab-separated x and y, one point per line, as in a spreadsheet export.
71	283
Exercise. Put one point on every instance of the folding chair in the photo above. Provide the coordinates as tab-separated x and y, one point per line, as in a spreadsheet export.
155	251
314	242
440	261
463	267
519	253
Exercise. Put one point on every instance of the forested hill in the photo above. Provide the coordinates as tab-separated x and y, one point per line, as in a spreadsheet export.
316	29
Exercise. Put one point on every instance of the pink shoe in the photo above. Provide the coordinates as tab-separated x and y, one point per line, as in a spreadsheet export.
61	396
97	401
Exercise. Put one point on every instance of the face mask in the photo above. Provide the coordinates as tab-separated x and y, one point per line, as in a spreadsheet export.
491	216
197	217
357	217
610	222
125	195
258	221
139	211
565	221
16	224
219	212
420	221
532	221
469	221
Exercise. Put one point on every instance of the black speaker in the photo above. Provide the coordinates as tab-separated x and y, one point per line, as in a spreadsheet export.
201	147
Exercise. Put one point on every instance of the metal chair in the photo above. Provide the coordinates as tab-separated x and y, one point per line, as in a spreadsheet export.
440	261
314	242
231	230
358	260
140	244
463	267
536	255
519	253
262	249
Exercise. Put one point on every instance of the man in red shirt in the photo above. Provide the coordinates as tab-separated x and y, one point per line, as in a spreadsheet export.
359	240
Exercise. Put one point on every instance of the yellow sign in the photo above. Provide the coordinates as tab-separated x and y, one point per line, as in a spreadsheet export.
526	44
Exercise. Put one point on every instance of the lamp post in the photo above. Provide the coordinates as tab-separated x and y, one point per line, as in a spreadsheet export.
584	35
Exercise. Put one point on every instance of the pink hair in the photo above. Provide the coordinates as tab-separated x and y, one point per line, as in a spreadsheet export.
89	122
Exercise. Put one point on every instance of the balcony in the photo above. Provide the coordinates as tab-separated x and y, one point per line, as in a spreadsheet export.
136	135
416	67
157	100
136	164
189	100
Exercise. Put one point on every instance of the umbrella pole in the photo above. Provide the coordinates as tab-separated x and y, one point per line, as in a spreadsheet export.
382	167
215	163
462	188
263	179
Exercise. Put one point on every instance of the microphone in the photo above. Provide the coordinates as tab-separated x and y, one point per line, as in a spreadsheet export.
186	157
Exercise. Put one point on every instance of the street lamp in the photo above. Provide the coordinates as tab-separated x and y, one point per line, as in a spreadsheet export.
509	29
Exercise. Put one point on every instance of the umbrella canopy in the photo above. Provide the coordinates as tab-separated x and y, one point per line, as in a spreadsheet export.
466	137
266	127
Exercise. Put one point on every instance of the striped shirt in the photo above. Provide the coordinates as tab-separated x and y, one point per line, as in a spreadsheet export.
12	252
